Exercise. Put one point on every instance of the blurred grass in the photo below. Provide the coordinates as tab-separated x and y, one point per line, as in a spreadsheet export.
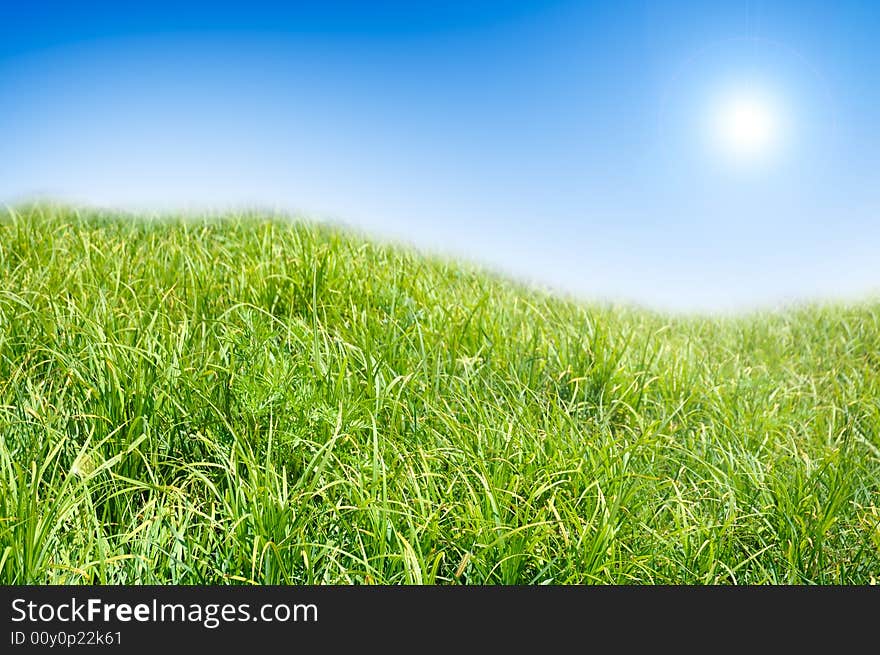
247	400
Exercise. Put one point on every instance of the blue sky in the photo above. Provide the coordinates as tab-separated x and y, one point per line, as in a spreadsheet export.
562	142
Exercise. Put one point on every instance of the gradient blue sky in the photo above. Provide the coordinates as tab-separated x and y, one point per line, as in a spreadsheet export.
559	141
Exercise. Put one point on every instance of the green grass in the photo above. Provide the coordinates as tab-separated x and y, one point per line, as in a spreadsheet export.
246	400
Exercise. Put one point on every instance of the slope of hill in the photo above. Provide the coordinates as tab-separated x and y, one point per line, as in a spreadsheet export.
247	400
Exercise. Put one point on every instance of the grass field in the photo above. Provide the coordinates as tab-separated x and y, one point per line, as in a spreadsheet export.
257	401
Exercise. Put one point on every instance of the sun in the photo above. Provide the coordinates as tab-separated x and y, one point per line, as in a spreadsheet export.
746	125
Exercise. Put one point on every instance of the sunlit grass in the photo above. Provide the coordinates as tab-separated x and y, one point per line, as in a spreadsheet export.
258	401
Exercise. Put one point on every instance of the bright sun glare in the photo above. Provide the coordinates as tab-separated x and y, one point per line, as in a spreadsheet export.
746	126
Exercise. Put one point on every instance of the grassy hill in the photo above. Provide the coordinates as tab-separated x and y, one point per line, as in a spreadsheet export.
255	401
